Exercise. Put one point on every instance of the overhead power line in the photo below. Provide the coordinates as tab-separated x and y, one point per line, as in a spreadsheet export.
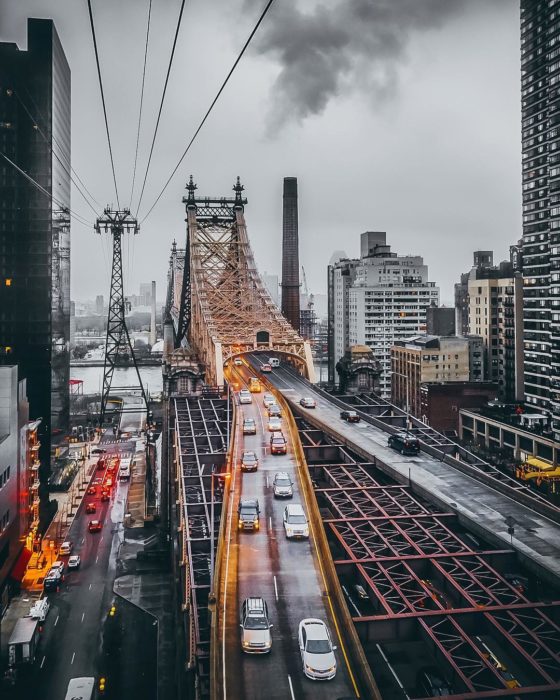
55	154
103	100
216	98
161	104
44	191
141	101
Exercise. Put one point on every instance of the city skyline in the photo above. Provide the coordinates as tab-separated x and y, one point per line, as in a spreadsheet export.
382	173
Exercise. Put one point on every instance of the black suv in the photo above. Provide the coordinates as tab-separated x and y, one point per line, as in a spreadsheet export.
405	443
248	514
350	416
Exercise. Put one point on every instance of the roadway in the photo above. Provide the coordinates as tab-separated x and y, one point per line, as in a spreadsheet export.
70	644
535	537
133	415
285	573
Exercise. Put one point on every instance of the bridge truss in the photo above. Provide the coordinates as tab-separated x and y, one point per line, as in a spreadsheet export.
216	298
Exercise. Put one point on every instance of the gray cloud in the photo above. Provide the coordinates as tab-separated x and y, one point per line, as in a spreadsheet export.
326	50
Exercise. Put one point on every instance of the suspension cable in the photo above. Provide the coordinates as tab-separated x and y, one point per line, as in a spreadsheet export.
161	104
141	101
45	138
216	98
44	191
103	100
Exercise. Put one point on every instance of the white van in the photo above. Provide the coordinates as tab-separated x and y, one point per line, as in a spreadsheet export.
274	362
40	609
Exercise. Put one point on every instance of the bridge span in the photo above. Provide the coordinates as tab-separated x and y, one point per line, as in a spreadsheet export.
431	576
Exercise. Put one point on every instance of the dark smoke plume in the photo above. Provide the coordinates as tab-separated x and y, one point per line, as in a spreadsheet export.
324	49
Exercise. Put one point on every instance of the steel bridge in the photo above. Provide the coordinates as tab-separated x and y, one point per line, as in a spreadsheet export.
219	306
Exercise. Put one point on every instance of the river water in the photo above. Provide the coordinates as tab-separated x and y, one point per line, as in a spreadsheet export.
92	378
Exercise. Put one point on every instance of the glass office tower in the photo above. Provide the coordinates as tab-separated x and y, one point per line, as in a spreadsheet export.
35	231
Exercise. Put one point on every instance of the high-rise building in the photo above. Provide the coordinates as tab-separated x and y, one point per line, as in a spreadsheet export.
482	260
496	315
35	231
273	287
341	276
425	358
99	305
387	300
540	80
440	320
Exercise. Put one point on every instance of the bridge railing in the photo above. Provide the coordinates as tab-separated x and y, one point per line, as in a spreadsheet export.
364	682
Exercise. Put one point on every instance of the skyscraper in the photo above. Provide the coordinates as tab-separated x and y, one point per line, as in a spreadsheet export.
540	74
35	231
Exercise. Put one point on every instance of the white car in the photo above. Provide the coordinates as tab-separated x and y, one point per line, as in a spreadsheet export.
255	627
268	400
74	562
245	396
238	362
308	402
39	609
274	424
66	548
316	649
295	521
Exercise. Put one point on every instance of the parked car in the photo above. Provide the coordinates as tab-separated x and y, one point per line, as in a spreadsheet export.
248	513
278	444
405	443
245	396
431	682
74	562
95	526
350	416
90	508
255	627
308	402
316	649
66	548
274	424
282	485
295	521
249	426
249	461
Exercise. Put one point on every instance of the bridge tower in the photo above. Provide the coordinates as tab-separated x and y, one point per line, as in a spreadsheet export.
218	302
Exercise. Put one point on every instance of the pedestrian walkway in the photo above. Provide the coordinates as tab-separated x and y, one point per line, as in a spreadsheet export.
136	501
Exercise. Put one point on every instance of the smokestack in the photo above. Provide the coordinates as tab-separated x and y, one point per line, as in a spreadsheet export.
290	253
168	344
153	316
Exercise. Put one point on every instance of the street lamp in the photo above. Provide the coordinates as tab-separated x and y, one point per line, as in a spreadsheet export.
406	378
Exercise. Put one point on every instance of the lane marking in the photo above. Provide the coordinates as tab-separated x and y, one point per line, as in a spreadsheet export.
101	538
90	585
275	588
73	657
270	522
96	558
291	688
83	540
56	621
83	615
42	662
266	480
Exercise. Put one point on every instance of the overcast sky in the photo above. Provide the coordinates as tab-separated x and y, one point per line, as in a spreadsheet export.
396	115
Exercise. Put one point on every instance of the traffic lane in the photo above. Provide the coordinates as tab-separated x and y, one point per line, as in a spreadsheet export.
78	609
285	574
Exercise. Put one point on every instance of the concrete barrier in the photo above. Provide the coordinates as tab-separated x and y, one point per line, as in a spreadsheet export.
360	671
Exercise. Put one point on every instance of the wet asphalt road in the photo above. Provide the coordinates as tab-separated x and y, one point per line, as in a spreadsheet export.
284	572
71	642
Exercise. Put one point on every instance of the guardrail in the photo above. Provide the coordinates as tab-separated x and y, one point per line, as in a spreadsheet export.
365	686
215	602
516	494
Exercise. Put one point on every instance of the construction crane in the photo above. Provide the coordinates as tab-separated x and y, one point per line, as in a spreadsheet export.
307	315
